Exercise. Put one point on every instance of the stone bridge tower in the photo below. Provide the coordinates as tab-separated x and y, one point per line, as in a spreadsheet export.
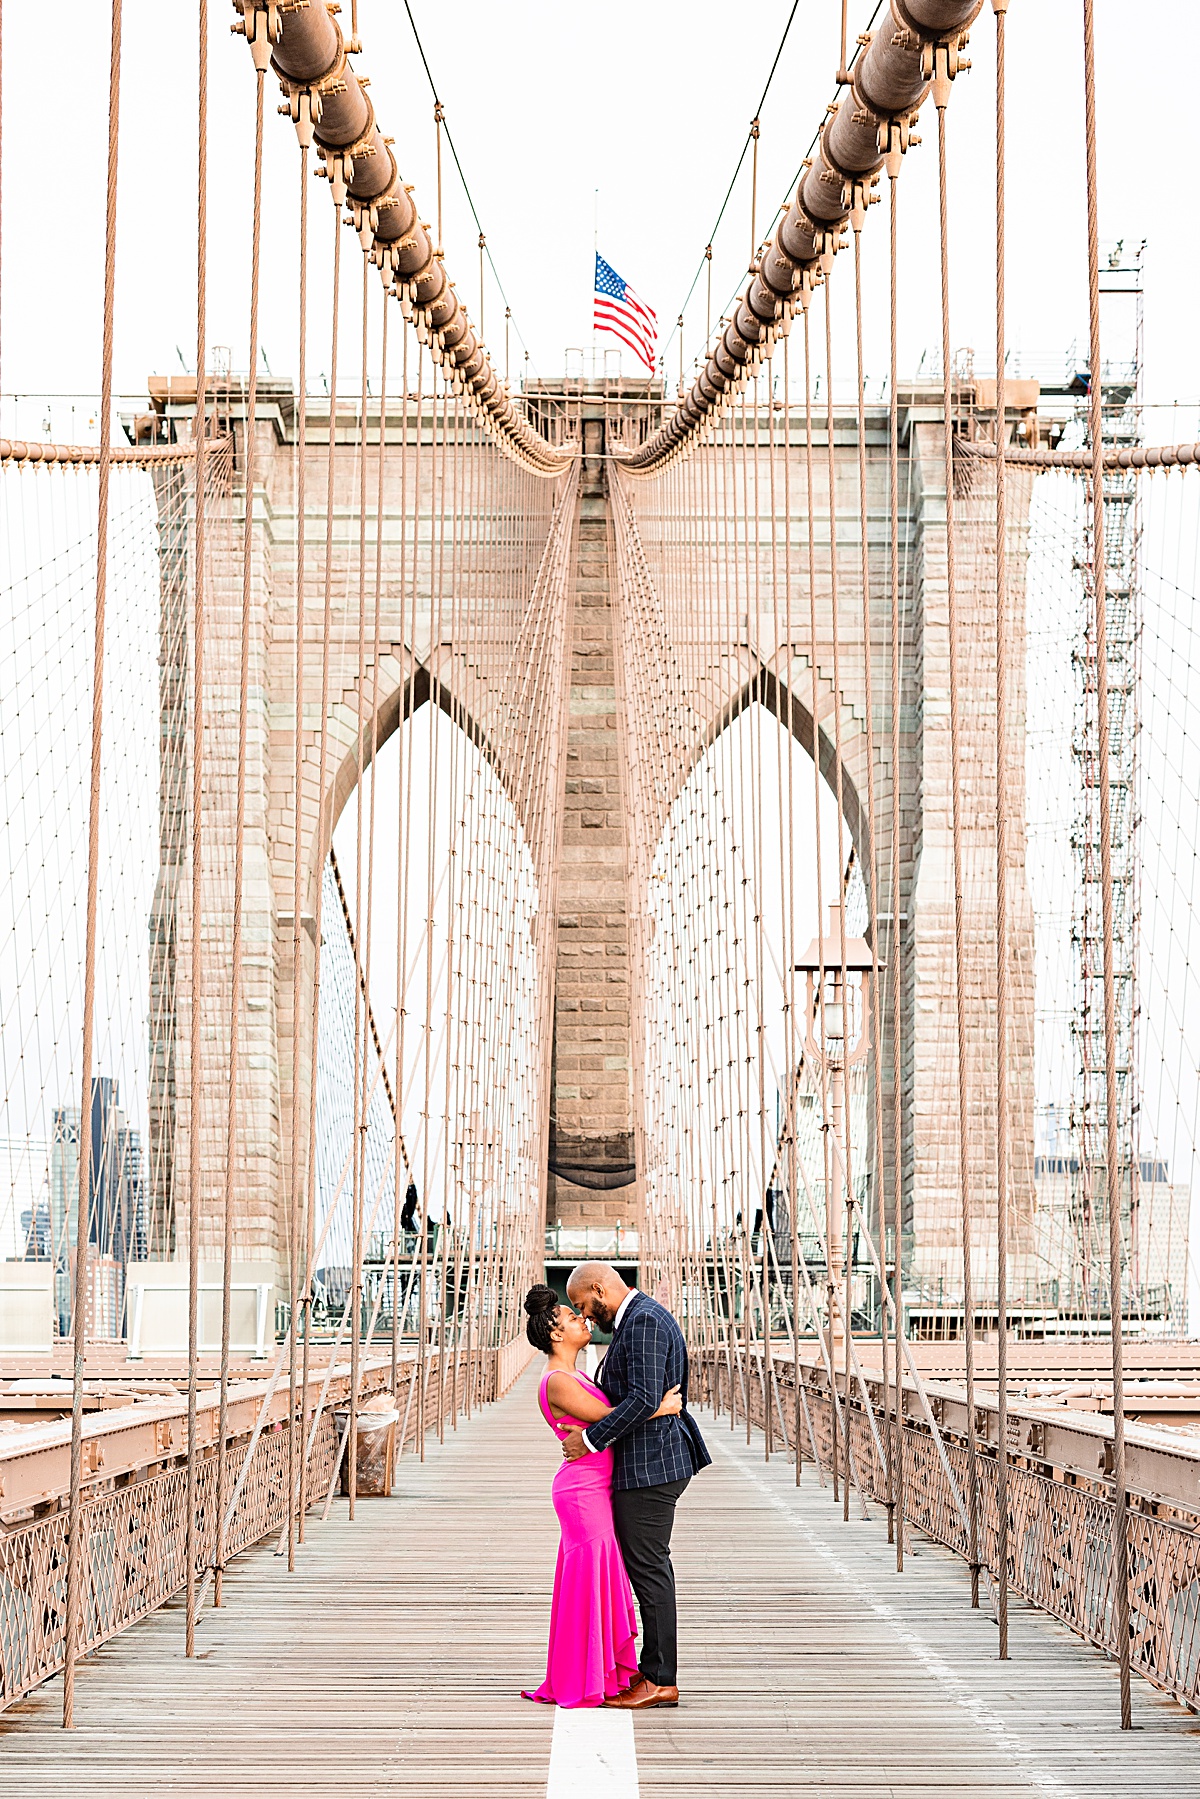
591	1173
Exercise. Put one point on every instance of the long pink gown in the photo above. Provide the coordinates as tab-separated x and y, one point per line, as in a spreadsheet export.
593	1632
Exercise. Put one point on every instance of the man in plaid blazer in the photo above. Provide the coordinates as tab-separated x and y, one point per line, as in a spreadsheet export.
655	1458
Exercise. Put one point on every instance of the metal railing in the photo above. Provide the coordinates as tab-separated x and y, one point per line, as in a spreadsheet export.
1060	1507
134	1510
565	1243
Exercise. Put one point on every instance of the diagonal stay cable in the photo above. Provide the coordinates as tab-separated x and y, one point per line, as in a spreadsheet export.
433	88
747	141
738	169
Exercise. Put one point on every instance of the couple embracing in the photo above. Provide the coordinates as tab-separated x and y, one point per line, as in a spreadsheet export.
629	1450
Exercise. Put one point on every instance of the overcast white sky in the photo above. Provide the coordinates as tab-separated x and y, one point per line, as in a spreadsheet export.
549	104
561	119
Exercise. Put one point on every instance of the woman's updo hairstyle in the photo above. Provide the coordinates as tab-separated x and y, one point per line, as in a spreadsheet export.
541	1306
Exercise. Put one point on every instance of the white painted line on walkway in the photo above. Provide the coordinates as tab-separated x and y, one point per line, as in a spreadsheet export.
1012	1750
592	1745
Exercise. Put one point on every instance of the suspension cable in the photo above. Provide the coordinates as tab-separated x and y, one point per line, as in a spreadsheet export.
846	1171
1000	8
960	995
1120	1530
196	1039
875	1022
239	859
896	1461
75	1526
301	1231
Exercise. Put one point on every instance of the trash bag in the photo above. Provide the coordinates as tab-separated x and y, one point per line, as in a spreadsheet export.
377	1420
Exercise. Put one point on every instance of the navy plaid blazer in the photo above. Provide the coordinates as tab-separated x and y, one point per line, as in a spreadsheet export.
647	1355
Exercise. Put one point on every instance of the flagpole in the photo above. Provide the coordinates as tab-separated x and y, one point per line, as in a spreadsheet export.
595	258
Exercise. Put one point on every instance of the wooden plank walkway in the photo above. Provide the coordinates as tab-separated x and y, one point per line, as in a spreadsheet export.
391	1662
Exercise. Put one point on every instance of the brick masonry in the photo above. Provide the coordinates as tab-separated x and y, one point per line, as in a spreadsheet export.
592	1127
592	1105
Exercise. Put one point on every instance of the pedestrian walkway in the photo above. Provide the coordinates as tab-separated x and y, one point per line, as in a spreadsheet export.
391	1661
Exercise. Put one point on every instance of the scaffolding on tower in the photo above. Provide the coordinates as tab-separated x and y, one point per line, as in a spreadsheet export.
1121	429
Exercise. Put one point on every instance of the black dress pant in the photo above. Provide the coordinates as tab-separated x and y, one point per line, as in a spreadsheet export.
643	1517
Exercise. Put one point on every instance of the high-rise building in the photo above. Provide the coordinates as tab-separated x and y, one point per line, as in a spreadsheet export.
24	1200
35	1230
116	1233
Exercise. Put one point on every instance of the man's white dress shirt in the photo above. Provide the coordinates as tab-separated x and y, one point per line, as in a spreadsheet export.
621	1311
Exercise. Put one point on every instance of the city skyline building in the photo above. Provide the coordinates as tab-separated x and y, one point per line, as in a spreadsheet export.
116	1208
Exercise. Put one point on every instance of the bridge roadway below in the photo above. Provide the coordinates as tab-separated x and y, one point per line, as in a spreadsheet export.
390	1663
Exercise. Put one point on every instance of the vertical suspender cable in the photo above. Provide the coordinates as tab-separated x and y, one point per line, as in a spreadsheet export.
847	1169
810	534
423	1211
792	1075
1	176
361	998
1120	1539
446	638
239	854
324	810
960	994
875	1024
301	1234
366	908
1002	1110
75	1560
427	1045
438	116
446	703
196	1164
403	789
777	1176
398	1137
897	1458
755	870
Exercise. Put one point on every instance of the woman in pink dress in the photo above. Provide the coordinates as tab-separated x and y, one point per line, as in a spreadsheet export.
592	1654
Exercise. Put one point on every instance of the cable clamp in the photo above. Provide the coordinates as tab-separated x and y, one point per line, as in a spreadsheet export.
260	26
827	242
856	197
940	63
896	137
339	168
366	221
304	109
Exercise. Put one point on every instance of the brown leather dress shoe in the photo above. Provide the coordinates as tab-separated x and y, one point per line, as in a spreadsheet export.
642	1695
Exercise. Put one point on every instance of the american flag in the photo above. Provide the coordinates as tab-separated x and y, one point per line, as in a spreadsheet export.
619	310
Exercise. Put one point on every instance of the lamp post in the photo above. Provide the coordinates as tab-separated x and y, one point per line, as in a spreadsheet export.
836	968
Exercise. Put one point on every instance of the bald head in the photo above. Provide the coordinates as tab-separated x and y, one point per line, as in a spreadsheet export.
597	1290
